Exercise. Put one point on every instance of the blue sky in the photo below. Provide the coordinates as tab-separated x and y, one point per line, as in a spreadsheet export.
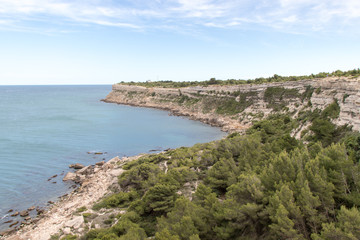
103	42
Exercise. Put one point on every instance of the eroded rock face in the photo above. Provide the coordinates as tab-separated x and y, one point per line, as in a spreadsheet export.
323	93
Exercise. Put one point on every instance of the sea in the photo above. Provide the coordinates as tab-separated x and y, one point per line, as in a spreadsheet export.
43	129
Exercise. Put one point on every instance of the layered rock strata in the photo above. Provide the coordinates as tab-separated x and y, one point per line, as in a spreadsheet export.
255	101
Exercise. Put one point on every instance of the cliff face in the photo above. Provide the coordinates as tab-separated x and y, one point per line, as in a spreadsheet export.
234	107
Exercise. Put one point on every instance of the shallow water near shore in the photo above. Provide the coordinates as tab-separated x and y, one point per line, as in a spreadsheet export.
43	129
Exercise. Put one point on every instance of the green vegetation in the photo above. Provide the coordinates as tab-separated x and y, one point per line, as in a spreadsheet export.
230	106
262	185
69	237
55	237
275	78
277	97
81	209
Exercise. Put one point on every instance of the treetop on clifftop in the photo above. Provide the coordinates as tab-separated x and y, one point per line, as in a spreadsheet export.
276	78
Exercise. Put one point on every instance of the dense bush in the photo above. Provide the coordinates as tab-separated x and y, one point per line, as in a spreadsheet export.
262	185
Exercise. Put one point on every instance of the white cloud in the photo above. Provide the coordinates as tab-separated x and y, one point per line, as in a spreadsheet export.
287	15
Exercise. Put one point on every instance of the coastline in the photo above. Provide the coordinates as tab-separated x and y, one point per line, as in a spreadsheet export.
226	124
233	108
64	214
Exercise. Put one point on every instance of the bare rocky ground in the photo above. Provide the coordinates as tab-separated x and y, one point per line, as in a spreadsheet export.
66	216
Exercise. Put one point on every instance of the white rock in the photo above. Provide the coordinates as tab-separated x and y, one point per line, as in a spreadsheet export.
83	170
75	222
67	231
116	172
70	176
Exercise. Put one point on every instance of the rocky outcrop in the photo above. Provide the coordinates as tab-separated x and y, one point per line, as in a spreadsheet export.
254	100
76	166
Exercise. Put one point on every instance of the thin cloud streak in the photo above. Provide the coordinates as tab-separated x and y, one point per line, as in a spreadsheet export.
285	15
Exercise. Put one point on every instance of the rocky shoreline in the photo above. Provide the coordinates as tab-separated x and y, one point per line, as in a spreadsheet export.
233	108
226	124
63	217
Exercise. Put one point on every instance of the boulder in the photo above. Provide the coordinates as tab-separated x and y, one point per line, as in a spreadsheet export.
84	170
80	178
24	213
76	166
100	163
15	214
70	176
39	211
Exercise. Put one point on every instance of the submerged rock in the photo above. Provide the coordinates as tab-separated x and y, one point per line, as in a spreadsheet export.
13	224
31	208
24	213
15	214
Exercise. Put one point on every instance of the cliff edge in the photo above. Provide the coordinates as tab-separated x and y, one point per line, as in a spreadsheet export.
235	107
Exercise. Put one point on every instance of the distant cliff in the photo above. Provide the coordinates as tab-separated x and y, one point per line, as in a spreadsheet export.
235	107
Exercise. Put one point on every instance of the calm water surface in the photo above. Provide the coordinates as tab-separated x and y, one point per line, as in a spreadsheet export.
43	129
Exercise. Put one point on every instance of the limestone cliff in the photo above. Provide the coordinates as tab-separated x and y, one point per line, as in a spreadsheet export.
234	107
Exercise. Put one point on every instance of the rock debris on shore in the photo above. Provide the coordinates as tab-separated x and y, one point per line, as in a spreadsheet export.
62	216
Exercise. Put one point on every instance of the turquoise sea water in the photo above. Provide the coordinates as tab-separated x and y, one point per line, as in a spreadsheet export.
43	129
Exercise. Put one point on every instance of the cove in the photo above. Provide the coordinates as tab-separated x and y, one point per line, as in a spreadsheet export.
43	129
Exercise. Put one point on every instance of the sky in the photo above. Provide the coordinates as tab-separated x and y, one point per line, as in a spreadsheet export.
108	41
